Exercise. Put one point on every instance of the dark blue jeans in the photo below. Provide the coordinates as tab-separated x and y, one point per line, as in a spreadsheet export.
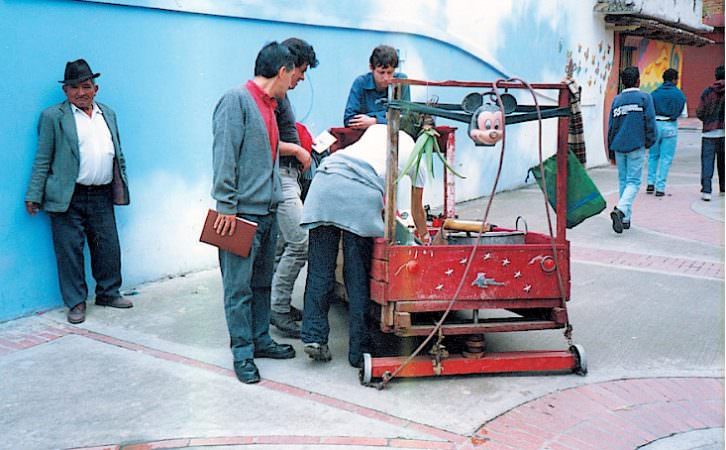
322	255
90	216
712	148
246	283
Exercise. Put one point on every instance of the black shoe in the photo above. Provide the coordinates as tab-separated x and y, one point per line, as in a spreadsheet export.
295	314
276	351
318	352
77	314
650	189
659	193
246	371
114	302
285	323
357	363
617	217
626	225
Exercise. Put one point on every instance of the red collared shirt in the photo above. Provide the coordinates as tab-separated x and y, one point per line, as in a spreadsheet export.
266	105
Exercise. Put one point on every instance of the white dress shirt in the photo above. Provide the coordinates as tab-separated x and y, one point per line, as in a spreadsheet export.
372	147
95	146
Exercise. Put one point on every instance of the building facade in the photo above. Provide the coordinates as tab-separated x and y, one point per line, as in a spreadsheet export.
164	64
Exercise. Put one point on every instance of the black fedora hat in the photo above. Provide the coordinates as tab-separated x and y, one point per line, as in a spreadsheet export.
78	71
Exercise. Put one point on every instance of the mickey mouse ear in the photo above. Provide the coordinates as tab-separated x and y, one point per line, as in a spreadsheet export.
509	103
472	102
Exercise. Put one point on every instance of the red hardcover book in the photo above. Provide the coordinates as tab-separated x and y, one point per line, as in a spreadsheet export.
238	243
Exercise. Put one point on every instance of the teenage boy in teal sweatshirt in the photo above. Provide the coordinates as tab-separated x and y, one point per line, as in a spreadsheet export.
631	129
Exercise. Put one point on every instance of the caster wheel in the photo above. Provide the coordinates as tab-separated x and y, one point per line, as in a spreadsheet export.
580	359
364	374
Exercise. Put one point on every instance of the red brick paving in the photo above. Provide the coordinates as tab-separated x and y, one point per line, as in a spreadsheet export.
673	215
650	408
609	415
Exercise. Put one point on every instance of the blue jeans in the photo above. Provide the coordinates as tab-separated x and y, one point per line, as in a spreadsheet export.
90	216
246	284
630	173
712	148
357	252
660	155
292	241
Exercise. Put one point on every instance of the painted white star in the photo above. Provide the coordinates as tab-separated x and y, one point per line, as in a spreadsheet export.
528	288
505	262
463	261
449	272
487	256
517	274
439	287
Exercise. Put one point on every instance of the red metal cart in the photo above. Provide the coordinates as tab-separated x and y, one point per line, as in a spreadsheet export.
523	272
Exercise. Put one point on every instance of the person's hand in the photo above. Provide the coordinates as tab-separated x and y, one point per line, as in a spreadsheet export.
225	224
361	121
32	208
304	158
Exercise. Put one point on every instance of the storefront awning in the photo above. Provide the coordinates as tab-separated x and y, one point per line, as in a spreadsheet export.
680	24
652	29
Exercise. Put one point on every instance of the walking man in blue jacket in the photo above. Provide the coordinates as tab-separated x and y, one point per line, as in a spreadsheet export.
631	129
668	101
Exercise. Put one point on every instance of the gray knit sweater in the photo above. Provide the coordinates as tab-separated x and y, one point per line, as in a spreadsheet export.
246	179
347	193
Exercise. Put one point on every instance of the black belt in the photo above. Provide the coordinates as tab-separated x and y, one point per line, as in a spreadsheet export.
289	161
92	187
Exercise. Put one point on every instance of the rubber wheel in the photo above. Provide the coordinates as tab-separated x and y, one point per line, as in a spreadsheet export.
364	374
580	358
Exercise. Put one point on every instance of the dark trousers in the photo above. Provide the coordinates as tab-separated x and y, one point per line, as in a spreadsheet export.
712	148
322	255
246	283
90	216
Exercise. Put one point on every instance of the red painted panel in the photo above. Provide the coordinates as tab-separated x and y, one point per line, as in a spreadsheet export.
497	272
378	292
468	305
379	270
505	362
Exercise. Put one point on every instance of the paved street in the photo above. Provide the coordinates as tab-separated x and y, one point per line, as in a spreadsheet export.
647	306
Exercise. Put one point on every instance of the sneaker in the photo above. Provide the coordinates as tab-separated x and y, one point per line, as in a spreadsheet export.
706	196
284	322
626	225
650	189
318	352
659	193
295	314
617	217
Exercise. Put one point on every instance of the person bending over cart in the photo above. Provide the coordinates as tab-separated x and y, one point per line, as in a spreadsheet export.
345	201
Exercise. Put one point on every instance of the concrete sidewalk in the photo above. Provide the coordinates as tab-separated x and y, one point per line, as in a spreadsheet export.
647	305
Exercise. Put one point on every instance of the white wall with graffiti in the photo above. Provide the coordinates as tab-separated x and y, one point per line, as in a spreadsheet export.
164	64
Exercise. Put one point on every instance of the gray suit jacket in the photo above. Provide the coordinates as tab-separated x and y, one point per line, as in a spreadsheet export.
57	159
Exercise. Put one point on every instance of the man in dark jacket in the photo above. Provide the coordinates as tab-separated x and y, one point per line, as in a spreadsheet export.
710	110
669	102
78	175
631	129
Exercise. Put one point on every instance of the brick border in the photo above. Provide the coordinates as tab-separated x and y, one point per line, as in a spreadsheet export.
609	415
686	267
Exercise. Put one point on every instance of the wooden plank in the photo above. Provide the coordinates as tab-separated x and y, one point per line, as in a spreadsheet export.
495	327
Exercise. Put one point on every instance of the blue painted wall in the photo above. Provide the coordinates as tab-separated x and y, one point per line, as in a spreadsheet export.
163	71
